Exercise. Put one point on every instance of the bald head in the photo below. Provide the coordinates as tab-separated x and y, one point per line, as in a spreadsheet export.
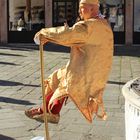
89	2
87	10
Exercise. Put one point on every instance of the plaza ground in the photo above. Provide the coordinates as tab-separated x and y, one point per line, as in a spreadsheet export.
20	89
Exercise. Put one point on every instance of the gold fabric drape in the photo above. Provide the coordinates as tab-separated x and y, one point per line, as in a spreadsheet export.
84	78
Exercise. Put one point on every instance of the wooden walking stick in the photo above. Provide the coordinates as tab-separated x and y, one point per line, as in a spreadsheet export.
43	91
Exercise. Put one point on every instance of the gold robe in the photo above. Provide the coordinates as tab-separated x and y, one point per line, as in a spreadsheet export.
84	78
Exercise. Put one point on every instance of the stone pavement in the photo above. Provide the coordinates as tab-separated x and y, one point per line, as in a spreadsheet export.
20	89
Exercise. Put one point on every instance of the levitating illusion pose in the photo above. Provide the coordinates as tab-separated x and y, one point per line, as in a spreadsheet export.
84	77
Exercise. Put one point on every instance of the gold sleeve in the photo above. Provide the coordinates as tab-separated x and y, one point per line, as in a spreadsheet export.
67	36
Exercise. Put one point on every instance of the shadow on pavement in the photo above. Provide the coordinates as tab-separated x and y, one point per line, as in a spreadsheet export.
11	83
15	101
133	51
2	137
19	47
122	50
7	63
9	54
30	47
56	48
116	83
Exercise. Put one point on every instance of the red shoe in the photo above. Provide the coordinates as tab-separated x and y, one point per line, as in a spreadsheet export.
37	114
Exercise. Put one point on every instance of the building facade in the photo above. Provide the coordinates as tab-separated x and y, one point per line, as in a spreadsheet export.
20	20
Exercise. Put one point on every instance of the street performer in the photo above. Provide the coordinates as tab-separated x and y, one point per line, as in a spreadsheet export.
84	78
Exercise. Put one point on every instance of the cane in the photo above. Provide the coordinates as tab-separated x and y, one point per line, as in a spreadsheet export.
43	91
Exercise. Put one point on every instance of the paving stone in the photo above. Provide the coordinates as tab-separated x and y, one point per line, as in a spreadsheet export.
20	89
107	131
68	136
15	132
118	138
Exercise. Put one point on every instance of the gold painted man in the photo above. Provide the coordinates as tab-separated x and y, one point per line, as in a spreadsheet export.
84	78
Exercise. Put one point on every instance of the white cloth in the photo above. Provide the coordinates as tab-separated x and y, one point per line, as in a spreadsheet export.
37	40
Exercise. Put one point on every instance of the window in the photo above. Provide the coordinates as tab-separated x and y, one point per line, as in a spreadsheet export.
113	10
64	11
137	16
26	15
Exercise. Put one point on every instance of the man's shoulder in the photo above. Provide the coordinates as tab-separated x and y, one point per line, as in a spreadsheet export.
80	24
99	22
96	20
93	22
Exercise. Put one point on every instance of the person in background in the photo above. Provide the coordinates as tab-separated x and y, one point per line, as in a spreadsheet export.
21	24
113	17
84	77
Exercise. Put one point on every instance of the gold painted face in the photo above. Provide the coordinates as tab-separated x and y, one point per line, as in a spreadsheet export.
85	11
